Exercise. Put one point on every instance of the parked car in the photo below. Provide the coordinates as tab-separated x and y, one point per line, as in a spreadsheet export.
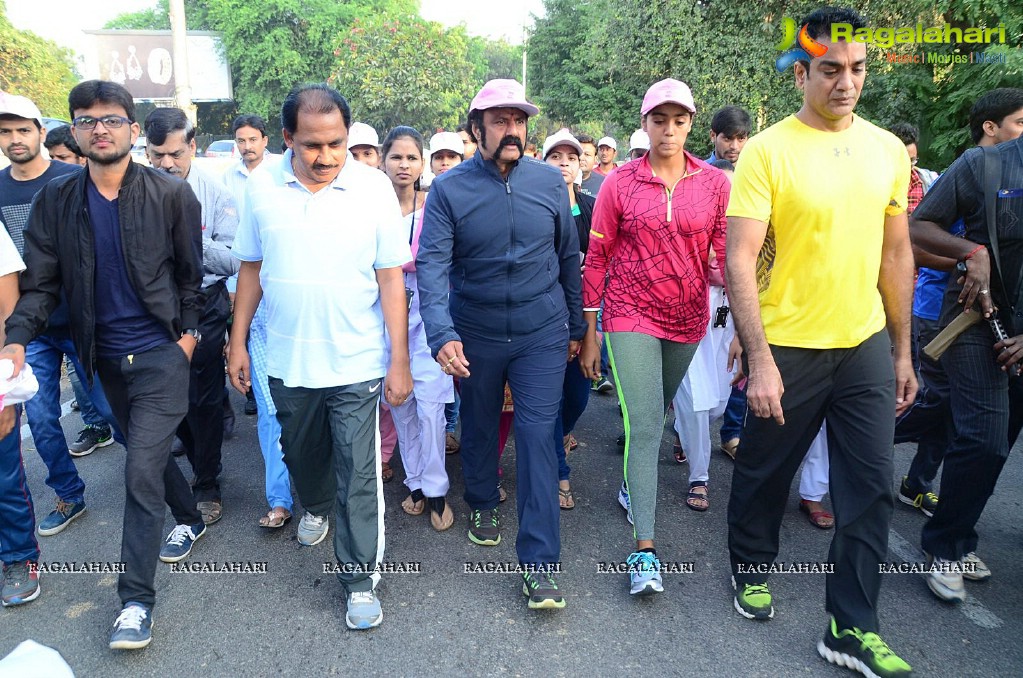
138	151
53	123
225	148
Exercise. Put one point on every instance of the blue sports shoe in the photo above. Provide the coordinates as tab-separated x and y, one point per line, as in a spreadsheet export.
133	628
644	574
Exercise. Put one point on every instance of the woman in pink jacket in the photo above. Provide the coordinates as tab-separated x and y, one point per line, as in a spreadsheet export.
655	222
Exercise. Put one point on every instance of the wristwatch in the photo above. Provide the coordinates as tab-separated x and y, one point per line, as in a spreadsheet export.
195	334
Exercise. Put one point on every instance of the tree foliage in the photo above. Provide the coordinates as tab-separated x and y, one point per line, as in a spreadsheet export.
405	72
590	61
35	68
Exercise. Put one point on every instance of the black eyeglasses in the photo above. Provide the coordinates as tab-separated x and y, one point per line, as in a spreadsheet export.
86	122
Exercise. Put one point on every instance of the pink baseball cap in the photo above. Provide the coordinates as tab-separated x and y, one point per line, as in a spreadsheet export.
502	94
668	91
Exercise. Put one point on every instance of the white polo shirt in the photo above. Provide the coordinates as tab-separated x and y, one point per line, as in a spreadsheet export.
320	252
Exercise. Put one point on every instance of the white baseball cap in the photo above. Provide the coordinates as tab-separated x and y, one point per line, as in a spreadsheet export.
361	134
22	107
640	140
608	141
561	138
447	141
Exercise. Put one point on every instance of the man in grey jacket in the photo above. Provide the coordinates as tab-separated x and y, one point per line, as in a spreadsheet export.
498	232
170	145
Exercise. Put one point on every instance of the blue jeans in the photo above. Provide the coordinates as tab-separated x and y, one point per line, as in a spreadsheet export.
17	515
735	413
277	484
575	394
45	354
451	413
534	367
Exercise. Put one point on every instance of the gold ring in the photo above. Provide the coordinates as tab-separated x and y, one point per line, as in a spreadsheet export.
451	360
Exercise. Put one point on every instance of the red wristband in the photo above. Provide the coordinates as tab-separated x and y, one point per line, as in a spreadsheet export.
973	251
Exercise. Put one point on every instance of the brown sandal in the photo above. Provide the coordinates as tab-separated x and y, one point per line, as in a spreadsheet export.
275	518
822	519
386	472
413	507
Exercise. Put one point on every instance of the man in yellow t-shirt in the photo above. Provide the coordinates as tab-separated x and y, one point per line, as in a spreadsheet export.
819	261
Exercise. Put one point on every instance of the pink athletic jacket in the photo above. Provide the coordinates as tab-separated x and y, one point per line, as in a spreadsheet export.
651	243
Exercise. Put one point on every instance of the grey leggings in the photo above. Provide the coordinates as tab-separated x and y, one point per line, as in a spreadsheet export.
647	372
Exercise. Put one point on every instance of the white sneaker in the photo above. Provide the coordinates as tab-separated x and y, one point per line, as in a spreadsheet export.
363	610
312	529
974	568
623	499
945	579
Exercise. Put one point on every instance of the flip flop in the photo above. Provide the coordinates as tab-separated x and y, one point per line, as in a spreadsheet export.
275	518
386	472
694	498
680	454
822	519
565	500
730	447
413	507
443	521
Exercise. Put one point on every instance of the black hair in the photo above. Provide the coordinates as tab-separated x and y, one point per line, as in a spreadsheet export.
723	164
162	121
818	24
731	121
586	139
475	120
11	116
994	106
86	94
254	121
906	132
401	132
62	135
316	97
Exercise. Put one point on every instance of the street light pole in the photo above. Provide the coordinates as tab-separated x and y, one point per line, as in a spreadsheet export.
179	39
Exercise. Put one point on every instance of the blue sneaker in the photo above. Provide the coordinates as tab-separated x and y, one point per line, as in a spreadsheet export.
60	517
623	499
179	542
133	628
644	574
363	610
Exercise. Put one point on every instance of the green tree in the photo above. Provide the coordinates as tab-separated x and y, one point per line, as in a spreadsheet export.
35	68
271	45
405	72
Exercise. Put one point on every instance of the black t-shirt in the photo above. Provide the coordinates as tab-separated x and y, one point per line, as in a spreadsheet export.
123	325
959	193
16	198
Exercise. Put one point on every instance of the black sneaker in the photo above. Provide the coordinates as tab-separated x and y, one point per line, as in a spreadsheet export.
250	403
862	651
927	502
90	438
485	527
542	590
133	628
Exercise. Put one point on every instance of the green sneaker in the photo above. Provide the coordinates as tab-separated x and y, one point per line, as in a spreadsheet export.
485	527
542	590
753	601
862	651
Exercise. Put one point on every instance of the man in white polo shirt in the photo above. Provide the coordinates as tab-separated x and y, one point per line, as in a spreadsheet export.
326	310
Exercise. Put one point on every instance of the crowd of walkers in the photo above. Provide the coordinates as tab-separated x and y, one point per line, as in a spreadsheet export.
371	297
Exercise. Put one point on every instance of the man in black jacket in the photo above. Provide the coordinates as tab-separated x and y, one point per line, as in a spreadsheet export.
124	243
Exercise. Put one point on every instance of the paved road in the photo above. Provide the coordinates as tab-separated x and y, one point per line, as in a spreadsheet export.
289	621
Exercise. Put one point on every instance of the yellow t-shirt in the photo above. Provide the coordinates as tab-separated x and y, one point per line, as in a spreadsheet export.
824	196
